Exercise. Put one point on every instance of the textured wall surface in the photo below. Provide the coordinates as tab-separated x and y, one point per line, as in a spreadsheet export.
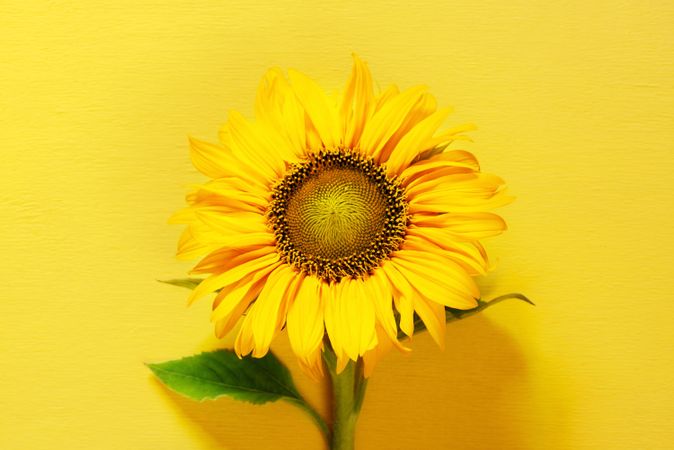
574	101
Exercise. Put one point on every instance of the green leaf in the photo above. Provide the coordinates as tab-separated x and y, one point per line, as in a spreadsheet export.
189	283
220	373
456	314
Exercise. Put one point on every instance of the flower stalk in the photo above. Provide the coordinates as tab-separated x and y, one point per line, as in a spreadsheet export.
348	393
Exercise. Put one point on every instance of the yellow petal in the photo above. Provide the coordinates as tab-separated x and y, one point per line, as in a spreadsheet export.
469	255
474	184
468	192
350	319
450	159
433	316
319	108
389	94
231	202
211	160
224	259
227	196
235	240
305	319
424	283
249	143
218	191
385	122
435	204
218	161
453	134
342	361
382	299
267	315
424	107
268	100
429	179
364	335
248	288
312	364
190	247
403	294
358	102
279	111
244	342
183	216
233	304
373	356
440	280
220	280
473	226
443	268
417	140
232	223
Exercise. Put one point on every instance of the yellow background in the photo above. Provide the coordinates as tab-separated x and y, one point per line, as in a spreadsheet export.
574	101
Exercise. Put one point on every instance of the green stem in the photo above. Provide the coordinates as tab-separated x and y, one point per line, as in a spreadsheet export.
348	392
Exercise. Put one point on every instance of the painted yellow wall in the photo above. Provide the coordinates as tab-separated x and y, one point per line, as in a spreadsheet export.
575	103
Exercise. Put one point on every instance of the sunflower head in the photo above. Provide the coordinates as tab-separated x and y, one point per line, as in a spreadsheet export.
341	219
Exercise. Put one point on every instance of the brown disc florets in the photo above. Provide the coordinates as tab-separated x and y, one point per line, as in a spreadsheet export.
337	214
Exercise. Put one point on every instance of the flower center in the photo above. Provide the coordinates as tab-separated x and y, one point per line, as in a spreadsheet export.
337	214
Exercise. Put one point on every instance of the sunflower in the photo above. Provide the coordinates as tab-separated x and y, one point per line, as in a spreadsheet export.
342	215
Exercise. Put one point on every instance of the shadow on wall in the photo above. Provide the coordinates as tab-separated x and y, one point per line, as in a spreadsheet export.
474	395
477	394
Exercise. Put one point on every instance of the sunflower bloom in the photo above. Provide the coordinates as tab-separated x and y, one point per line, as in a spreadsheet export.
344	216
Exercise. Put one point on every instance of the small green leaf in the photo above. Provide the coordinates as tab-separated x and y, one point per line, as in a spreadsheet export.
456	314
189	283
220	373
211	375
